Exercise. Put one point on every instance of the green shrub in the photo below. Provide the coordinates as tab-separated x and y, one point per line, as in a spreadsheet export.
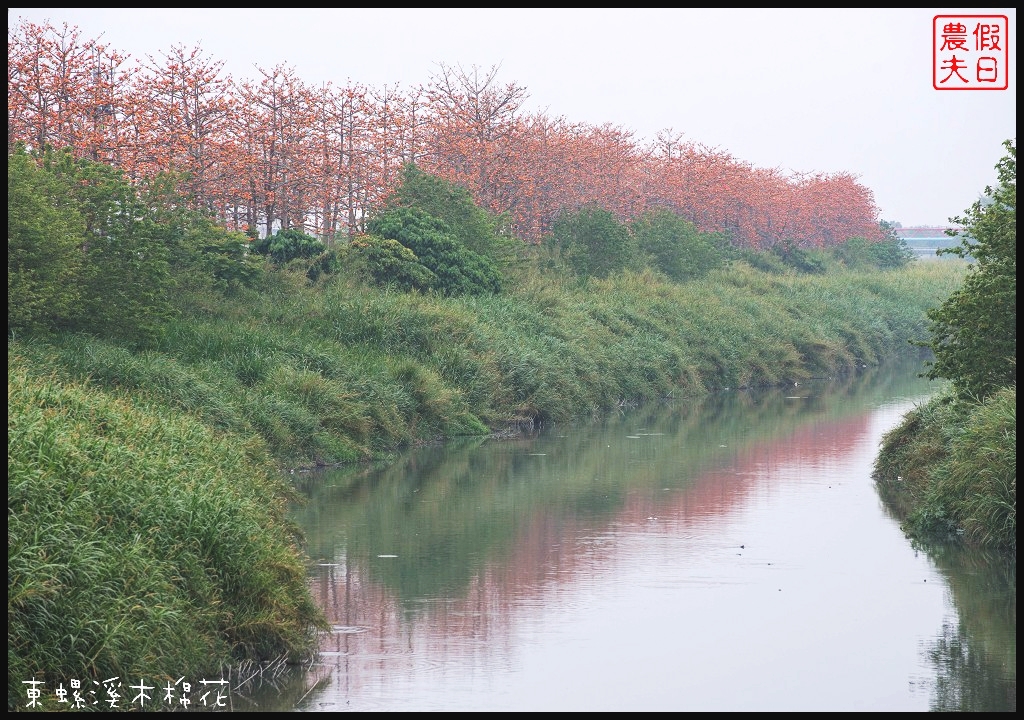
324	265
459	271
673	245
287	245
227	257
765	261
472	226
44	259
389	263
593	243
102	268
858	253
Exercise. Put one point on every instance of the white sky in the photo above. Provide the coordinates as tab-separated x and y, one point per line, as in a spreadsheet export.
805	90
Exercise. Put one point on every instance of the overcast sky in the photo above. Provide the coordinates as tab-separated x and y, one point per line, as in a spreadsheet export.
804	90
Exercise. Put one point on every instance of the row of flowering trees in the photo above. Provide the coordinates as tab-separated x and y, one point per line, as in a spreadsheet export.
274	152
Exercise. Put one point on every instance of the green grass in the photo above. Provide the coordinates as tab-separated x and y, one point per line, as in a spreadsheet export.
950	468
140	542
342	372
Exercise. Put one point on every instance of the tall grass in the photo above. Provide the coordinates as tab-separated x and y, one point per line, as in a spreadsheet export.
980	481
342	372
950	468
140	542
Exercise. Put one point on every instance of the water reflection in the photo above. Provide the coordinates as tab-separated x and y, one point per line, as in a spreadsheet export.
723	554
975	653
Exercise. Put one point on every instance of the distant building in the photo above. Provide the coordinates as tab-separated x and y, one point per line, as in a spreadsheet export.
924	241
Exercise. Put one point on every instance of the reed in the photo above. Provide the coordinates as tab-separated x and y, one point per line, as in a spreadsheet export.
340	372
950	469
140	541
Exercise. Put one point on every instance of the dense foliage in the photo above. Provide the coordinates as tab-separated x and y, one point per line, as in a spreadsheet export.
673	245
83	250
950	468
974	332
288	244
45	232
456	269
891	252
430	235
472	226
593	243
389	263
89	251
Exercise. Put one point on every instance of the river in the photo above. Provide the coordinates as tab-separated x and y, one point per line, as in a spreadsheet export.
724	553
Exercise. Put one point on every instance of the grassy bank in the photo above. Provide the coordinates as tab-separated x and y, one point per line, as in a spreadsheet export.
950	469
141	543
342	372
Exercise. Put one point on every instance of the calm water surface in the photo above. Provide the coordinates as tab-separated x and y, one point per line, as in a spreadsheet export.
724	554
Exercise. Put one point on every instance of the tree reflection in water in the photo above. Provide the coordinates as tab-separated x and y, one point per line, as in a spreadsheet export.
975	654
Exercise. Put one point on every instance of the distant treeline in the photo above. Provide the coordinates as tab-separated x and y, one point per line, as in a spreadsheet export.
275	153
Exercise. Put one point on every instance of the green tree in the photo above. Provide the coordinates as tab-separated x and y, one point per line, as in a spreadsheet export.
675	246
225	257
593	243
471	225
200	250
90	258
287	245
458	270
45	232
126	281
974	333
389	263
890	253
